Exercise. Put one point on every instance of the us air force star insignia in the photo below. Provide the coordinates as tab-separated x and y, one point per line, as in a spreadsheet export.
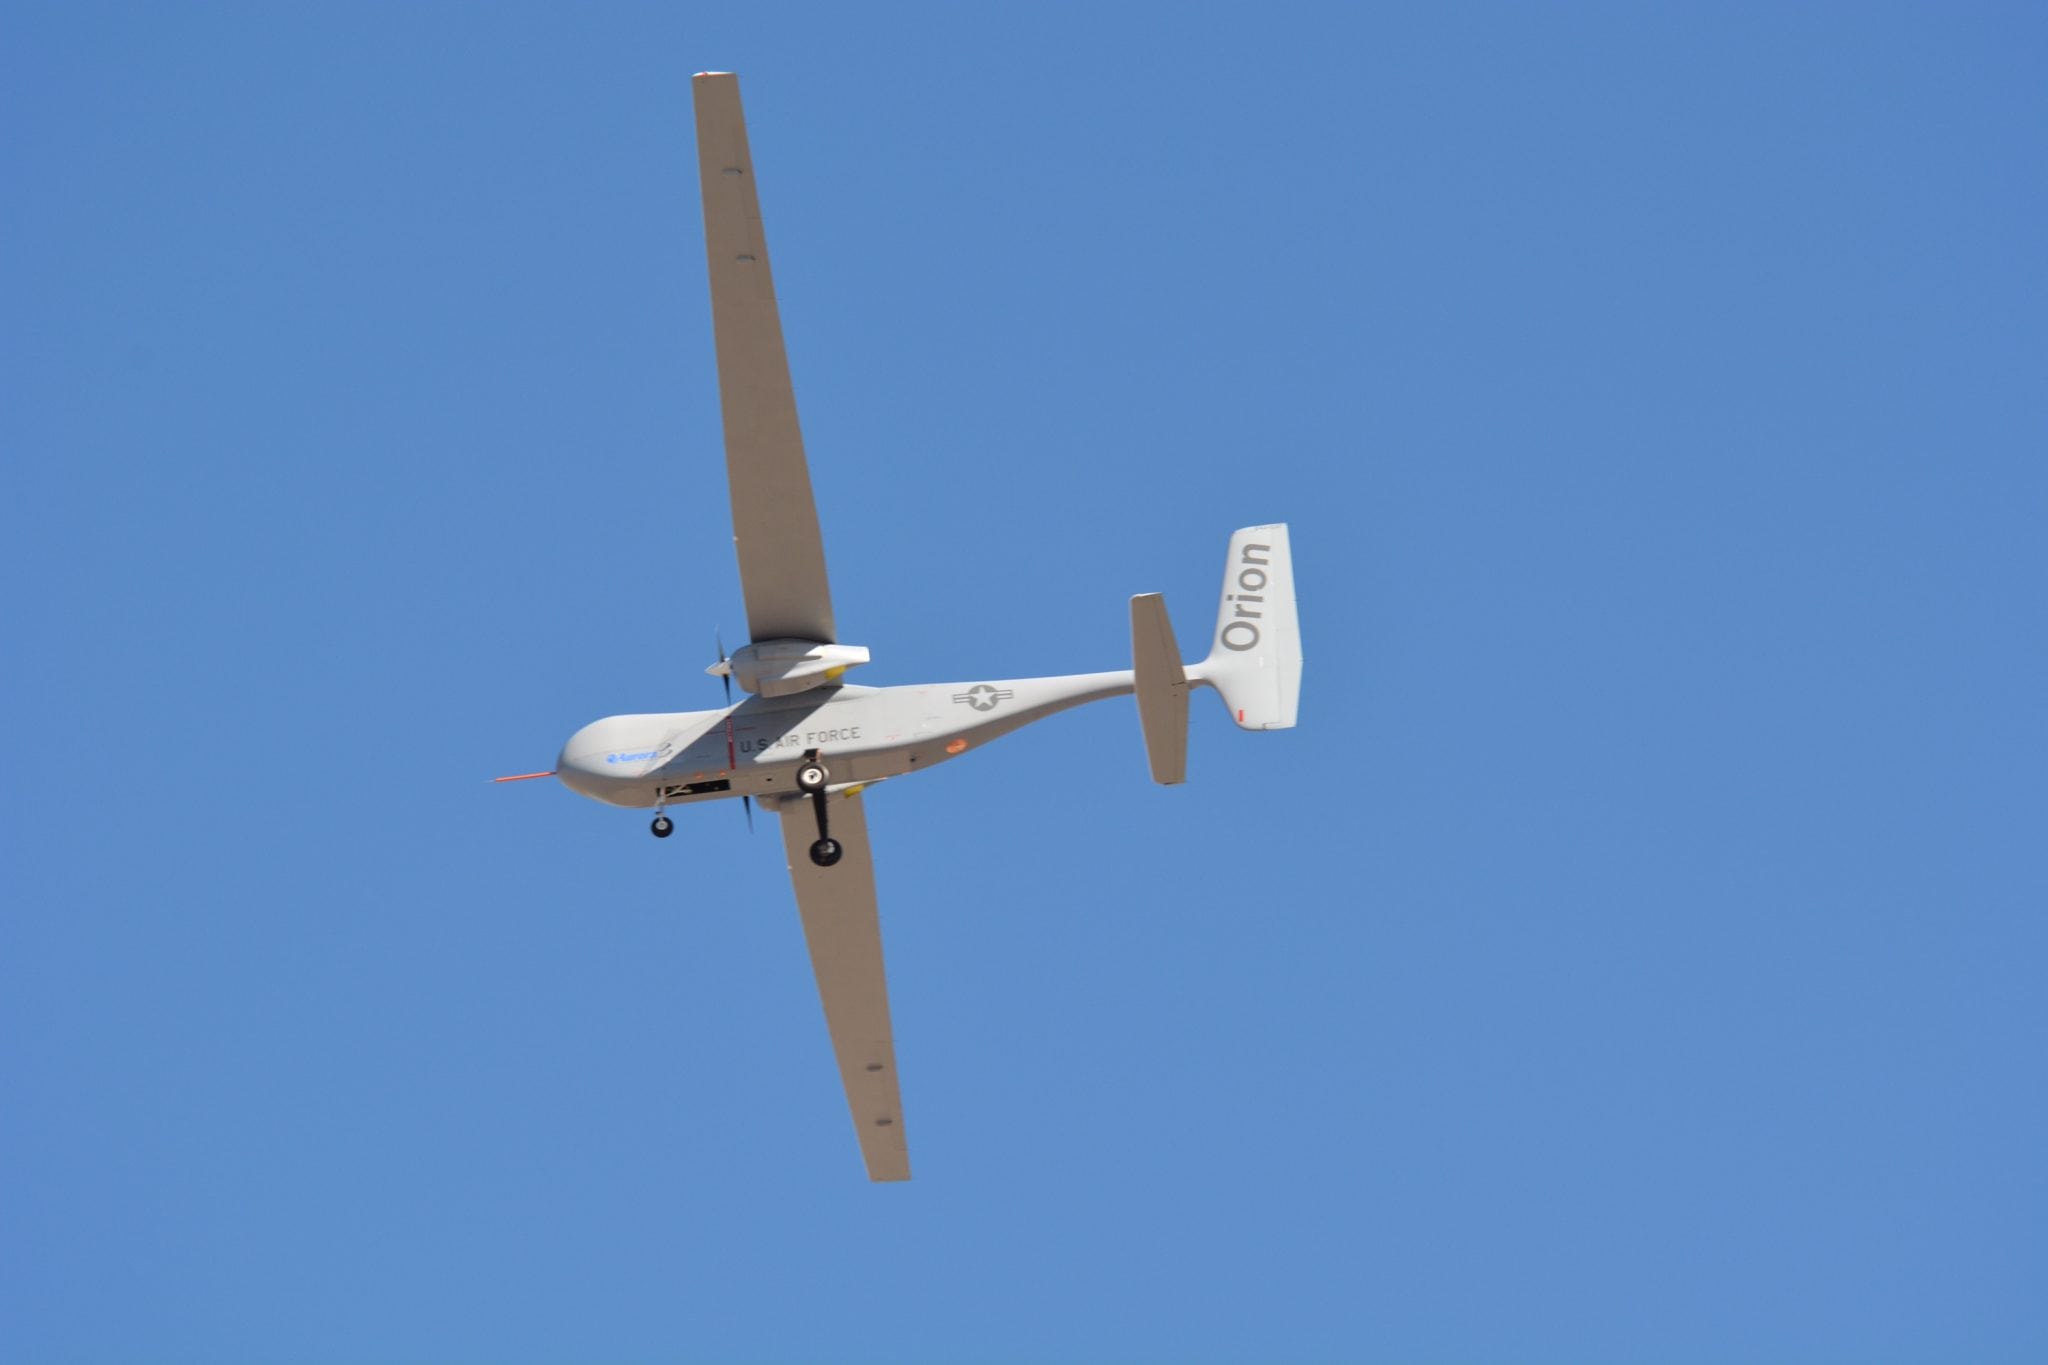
982	697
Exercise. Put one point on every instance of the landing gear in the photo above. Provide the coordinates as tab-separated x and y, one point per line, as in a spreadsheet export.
811	777
826	850
663	827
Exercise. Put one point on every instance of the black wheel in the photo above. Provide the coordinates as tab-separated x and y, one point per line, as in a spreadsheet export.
827	851
663	827
811	777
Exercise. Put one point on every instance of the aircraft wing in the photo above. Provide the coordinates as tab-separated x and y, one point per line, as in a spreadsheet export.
844	932
774	519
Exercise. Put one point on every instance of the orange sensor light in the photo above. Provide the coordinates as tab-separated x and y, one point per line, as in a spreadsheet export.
957	746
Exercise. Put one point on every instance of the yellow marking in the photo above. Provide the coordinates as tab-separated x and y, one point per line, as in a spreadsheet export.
855	790
833	674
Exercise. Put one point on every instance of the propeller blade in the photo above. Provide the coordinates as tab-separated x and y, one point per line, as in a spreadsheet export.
718	638
747	804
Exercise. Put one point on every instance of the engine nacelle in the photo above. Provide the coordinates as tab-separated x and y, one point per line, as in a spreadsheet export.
782	668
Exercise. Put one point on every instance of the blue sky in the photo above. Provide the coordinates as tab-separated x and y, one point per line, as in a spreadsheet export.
1635	954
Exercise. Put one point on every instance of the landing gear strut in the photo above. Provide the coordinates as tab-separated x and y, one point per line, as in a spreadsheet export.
811	777
662	826
812	780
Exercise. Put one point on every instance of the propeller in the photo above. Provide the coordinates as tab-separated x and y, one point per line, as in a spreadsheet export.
724	670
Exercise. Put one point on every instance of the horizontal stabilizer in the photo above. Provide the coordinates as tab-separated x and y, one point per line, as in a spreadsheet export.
1162	689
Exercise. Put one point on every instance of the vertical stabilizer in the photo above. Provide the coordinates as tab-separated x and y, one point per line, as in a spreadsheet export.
1255	655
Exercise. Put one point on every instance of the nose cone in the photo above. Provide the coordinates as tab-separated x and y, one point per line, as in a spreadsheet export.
574	766
609	759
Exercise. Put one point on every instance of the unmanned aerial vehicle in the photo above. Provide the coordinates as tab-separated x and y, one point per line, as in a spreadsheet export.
805	743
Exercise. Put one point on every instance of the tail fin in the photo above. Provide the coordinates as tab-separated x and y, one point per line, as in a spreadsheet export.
1255	657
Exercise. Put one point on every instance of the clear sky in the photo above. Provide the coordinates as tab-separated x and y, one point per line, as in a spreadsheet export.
1635	955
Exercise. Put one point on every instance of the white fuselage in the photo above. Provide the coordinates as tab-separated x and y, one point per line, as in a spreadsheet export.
861	734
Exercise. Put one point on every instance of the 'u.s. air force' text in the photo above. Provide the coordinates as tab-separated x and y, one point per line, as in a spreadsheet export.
808	739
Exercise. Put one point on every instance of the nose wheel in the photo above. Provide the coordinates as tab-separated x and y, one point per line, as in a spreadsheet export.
663	827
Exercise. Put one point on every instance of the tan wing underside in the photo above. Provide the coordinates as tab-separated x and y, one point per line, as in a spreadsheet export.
774	518
844	932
